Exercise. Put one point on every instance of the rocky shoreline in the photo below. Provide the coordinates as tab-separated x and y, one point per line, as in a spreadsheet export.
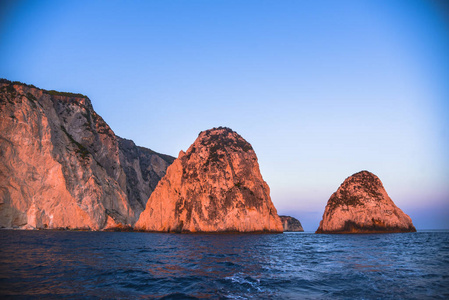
63	168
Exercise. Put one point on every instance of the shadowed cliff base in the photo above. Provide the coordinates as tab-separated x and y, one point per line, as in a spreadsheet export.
352	227
224	232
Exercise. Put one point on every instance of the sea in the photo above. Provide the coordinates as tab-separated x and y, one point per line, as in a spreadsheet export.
134	265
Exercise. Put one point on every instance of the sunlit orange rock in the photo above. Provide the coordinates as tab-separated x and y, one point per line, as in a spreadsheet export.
361	205
215	186
61	165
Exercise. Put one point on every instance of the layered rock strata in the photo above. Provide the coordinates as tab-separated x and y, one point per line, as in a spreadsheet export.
62	166
361	205
215	186
291	224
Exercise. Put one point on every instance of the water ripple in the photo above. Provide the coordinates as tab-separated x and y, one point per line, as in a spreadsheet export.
128	265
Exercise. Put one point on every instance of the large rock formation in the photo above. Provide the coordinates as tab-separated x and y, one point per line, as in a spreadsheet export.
61	165
216	186
361	205
291	224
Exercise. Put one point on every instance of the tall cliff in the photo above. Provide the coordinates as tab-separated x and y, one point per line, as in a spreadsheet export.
215	186
62	166
361	205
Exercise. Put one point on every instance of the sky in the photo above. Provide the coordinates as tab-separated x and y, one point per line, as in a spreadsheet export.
321	89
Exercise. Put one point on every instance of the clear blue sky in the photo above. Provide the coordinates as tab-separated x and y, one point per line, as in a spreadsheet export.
321	89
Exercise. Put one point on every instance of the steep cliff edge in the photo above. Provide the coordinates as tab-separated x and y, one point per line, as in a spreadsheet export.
62	166
216	186
361	205
291	224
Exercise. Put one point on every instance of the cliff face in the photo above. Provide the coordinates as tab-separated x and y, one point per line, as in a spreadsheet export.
62	166
143	168
291	224
361	205
216	186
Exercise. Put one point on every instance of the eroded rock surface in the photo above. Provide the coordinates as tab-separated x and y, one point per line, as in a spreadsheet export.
361	205
291	224
143	168
62	166
215	186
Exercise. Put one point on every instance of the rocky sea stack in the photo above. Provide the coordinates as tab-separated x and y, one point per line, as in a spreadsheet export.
291	224
215	186
62	166
361	205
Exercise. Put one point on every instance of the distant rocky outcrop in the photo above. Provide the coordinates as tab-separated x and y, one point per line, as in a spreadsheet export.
61	165
361	205
215	186
291	224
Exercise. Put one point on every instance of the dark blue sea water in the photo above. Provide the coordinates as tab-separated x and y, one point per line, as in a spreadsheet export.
129	265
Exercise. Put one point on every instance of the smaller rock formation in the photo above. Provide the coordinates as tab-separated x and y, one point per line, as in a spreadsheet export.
291	224
361	205
215	186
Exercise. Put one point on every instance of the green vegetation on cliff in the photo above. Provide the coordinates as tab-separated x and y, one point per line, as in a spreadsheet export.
50	92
